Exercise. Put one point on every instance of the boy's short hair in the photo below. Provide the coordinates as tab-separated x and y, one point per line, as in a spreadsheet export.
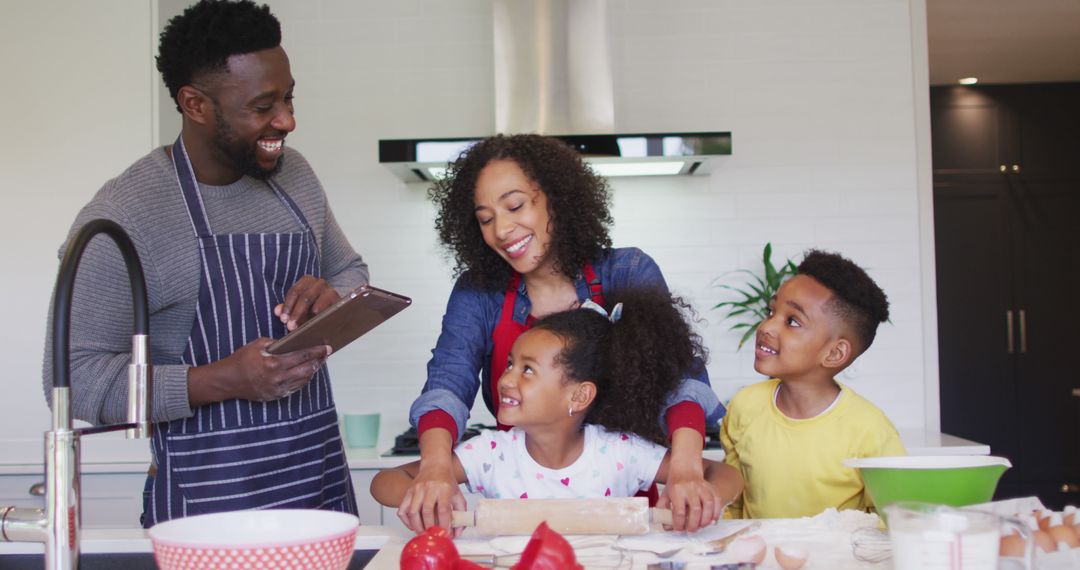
857	300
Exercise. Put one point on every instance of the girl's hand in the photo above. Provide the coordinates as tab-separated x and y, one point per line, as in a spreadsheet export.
434	493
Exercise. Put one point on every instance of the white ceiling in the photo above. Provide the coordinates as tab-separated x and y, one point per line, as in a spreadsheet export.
1004	41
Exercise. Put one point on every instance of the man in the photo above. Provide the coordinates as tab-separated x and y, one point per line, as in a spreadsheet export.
238	246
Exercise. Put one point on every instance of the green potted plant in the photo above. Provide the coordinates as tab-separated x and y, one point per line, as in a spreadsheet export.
756	293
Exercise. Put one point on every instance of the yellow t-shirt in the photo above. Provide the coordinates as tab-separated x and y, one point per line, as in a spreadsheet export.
793	468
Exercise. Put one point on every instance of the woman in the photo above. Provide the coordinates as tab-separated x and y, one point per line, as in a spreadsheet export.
527	223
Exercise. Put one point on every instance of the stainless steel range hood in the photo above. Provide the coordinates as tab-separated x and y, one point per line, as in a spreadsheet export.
553	76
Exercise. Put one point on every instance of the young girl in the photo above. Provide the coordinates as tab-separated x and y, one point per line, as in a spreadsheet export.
583	391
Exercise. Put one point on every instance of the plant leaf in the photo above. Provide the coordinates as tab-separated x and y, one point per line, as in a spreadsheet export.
746	336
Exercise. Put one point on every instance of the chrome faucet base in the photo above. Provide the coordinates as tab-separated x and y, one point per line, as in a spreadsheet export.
58	525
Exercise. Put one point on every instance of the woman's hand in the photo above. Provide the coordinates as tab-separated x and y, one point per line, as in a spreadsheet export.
434	492
694	502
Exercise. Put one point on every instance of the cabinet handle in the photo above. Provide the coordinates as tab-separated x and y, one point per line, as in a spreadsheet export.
1016	168
1023	332
1070	488
37	489
1009	331
1003	168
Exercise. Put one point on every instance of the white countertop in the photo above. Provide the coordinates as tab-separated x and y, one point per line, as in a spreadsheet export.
826	537
110	453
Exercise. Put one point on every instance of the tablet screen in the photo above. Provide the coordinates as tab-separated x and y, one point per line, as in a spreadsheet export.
345	321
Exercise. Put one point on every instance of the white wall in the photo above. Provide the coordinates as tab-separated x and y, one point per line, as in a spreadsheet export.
76	97
825	100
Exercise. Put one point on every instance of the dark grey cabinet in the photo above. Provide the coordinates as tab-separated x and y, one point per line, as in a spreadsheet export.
1007	234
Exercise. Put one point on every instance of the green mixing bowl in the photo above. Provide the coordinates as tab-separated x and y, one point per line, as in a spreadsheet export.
956	480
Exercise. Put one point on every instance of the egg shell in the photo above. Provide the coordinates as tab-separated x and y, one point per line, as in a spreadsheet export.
1012	545
1044	541
1063	534
790	557
1069	516
748	549
1043	518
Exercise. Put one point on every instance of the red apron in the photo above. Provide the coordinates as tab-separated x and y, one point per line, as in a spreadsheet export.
507	330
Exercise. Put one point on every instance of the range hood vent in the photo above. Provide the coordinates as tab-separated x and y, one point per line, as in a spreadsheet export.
553	74
653	154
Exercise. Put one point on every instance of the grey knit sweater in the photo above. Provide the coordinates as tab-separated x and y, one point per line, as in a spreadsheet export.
146	201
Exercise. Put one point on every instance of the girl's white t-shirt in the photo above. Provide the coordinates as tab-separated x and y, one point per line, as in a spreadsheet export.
613	464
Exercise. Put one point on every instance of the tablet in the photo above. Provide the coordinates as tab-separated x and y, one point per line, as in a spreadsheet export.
343	322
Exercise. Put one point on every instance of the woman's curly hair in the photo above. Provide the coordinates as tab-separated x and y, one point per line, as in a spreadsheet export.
201	39
635	362
578	203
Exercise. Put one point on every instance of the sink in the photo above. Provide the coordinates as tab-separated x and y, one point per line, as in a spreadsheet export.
128	561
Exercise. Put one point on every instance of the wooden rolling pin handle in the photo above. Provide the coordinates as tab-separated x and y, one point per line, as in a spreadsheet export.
661	516
463	518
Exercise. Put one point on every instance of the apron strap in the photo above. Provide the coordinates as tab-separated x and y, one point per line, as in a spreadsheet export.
185	177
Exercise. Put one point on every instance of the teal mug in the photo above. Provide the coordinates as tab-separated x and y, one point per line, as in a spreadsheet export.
361	429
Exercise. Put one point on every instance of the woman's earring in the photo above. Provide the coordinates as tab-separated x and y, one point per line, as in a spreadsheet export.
570	411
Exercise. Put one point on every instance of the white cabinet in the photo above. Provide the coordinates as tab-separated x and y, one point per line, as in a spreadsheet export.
112	500
108	499
15	491
369	511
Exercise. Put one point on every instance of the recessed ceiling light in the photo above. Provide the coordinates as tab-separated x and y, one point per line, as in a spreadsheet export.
969	80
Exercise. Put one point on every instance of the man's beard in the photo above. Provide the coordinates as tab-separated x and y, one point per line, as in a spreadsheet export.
239	153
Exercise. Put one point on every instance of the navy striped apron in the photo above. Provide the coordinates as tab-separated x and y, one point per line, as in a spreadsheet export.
238	454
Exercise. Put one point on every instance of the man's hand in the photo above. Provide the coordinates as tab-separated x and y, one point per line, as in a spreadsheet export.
253	374
305	299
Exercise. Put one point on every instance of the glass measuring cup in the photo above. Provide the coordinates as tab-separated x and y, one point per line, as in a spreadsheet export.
938	537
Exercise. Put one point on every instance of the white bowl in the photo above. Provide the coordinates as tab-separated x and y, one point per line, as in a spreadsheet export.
260	540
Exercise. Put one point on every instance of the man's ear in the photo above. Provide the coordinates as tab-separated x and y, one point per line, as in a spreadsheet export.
195	104
584	395
839	355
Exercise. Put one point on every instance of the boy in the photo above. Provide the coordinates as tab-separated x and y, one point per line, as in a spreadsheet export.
788	436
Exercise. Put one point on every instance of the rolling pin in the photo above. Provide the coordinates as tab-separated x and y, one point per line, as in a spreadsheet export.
629	515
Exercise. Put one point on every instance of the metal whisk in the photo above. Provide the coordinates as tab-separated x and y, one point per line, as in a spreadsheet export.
871	544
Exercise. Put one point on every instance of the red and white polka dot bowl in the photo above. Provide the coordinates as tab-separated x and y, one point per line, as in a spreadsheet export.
285	539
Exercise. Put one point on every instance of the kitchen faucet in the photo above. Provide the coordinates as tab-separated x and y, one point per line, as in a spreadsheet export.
57	525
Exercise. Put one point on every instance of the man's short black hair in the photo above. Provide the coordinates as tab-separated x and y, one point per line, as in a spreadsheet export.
856	298
200	40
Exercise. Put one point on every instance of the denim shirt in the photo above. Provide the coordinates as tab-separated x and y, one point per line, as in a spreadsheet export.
462	356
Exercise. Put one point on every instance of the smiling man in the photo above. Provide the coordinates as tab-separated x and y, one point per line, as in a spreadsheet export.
238	246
